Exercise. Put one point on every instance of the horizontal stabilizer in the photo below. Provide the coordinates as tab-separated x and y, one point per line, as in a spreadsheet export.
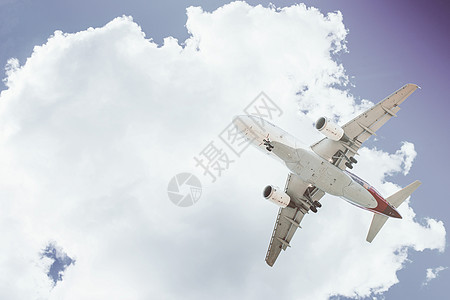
404	193
377	222
395	200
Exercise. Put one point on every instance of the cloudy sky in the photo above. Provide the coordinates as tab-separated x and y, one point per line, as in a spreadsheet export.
102	104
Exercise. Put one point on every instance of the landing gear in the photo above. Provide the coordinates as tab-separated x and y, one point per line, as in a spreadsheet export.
349	165
268	145
307	196
353	160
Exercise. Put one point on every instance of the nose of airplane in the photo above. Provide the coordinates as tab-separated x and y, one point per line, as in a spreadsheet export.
241	121
239	118
236	118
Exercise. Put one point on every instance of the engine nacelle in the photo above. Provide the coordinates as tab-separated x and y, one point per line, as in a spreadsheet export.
276	196
331	130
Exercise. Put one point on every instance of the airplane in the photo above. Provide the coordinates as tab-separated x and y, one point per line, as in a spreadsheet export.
322	168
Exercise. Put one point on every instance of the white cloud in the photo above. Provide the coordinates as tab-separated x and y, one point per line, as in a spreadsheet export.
399	162
408	152
433	274
94	124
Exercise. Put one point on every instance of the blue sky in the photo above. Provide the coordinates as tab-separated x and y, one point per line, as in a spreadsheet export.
389	44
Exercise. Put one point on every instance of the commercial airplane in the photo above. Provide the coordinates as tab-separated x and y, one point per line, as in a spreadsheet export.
321	168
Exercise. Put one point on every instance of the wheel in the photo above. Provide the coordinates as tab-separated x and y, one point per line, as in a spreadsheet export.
317	204
353	160
313	209
268	149
349	165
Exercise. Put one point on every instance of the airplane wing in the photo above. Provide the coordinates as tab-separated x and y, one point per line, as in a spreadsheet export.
289	218
361	128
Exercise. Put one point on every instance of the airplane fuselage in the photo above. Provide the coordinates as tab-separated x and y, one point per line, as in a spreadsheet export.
310	167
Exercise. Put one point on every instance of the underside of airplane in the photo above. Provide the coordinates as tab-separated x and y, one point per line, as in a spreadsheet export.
322	168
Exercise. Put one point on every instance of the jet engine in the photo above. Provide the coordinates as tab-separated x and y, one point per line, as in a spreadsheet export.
331	130
276	196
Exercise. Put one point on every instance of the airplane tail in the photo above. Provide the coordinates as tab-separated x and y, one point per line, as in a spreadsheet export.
395	200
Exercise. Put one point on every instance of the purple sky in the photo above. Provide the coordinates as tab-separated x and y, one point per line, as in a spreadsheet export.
390	43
